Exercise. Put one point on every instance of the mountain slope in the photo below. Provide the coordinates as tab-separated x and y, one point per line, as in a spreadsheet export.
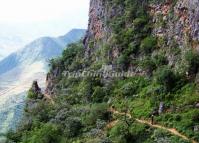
1	57
72	36
10	44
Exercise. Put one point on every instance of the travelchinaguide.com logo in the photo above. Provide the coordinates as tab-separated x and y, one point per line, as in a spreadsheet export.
105	72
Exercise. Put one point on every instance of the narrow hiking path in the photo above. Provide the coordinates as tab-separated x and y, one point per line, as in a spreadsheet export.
111	124
49	98
171	130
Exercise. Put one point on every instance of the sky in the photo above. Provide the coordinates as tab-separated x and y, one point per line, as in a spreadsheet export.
30	19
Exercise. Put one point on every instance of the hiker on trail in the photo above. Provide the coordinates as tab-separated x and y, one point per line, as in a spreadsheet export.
109	102
152	119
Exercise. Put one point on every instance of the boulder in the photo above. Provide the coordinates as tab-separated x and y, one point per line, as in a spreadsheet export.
35	87
161	108
197	105
196	128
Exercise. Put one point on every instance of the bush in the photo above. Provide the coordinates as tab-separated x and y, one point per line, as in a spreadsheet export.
148	44
160	60
72	127
166	77
160	136
133	48
41	112
130	86
117	24
86	87
148	65
192	59
128	89
53	63
32	95
139	22
47	133
97	112
69	54
14	136
123	61
130	13
178	117
68	59
98	94
138	131
118	133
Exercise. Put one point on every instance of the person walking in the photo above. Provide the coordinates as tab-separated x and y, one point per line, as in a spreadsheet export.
152	119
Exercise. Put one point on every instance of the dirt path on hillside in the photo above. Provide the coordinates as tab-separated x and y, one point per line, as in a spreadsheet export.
49	98
171	130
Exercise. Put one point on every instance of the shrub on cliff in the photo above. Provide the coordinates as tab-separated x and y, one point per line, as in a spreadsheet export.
123	61
97	111
68	59
166	77
128	89
46	133
192	59
148	65
119	133
160	60
130	86
139	22
71	52
148	44
32	95
72	127
98	94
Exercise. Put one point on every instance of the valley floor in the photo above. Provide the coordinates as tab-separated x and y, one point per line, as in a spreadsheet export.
12	101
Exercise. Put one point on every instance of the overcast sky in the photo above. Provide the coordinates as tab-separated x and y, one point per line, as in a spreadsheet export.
30	19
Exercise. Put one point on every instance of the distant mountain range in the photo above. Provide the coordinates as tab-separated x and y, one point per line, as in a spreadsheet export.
41	49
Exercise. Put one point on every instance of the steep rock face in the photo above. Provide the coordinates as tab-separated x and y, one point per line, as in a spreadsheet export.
50	83
188	11
35	88
176	22
95	27
99	31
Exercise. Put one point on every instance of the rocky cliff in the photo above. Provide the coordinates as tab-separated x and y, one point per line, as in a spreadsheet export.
117	30
173	23
98	31
180	19
178	22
